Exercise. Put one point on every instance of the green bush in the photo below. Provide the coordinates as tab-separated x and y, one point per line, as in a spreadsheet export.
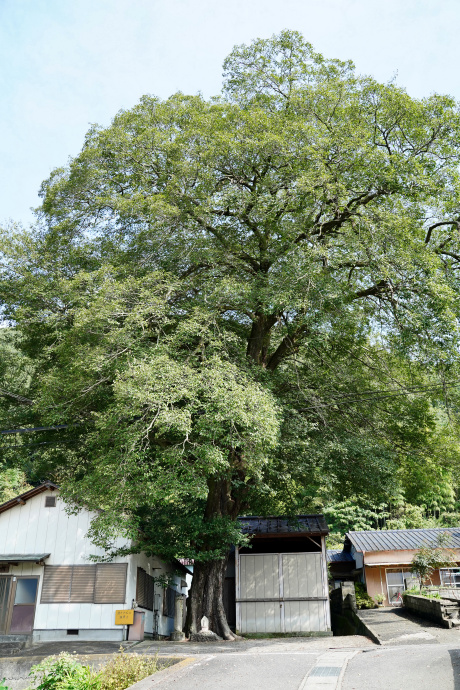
65	672
363	600
2	685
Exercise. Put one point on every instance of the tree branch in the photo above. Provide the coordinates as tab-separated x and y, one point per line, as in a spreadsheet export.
437	225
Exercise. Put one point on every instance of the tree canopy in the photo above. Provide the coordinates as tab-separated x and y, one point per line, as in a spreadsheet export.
247	304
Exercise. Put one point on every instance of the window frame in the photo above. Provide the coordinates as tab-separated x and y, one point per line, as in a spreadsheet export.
147	599
455	571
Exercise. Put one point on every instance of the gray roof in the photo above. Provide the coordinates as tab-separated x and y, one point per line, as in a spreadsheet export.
335	556
23	557
302	524
402	539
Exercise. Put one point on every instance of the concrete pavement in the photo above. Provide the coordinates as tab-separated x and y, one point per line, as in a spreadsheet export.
275	664
278	664
266	646
421	667
394	626
337	663
288	670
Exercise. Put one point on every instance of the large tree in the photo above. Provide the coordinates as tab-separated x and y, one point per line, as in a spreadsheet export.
247	303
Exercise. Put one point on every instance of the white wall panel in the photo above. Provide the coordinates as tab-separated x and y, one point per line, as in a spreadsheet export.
32	524
260	577
300	616
13	526
52	618
95	615
32	528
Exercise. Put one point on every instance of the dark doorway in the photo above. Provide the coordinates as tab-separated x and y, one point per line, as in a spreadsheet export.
18	597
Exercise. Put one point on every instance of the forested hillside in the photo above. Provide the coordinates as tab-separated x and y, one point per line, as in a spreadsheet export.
241	305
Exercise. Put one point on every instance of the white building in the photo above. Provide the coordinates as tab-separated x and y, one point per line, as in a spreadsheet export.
49	588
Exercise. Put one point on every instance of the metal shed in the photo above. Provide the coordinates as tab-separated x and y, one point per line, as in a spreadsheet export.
281	579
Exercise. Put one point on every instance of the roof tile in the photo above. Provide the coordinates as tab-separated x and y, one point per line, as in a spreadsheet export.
402	539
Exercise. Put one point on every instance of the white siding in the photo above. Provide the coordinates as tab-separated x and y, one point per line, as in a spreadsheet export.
155	567
32	528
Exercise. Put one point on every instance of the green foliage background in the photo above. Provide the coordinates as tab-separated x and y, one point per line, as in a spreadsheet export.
247	304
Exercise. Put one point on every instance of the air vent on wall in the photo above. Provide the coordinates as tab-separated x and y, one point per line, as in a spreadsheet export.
72	632
50	502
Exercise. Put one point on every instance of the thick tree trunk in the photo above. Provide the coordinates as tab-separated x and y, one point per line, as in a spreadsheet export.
206	596
206	599
259	338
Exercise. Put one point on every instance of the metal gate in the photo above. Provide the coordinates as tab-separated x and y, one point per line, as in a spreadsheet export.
283	592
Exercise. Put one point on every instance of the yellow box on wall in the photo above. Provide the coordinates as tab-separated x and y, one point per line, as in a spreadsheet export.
124	617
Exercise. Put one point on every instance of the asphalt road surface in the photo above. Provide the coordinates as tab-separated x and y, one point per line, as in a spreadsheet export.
352	663
244	672
414	667
420	667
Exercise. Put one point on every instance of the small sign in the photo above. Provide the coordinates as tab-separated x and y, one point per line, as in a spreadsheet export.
124	617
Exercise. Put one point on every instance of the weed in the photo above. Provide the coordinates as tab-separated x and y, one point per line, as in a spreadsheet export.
125	669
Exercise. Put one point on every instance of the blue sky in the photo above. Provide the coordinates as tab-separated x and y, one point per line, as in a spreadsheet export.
67	63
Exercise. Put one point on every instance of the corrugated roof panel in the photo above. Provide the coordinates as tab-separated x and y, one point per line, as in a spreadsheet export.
401	540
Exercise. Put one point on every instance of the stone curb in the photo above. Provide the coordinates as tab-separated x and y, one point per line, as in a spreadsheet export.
16	669
369	630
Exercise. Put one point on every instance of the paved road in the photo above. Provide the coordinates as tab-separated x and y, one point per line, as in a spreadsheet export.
296	664
421	667
243	671
352	663
414	667
258	671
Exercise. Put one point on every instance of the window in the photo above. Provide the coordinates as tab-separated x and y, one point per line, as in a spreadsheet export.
144	589
50	502
104	583
169	599
26	590
396	578
450	577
